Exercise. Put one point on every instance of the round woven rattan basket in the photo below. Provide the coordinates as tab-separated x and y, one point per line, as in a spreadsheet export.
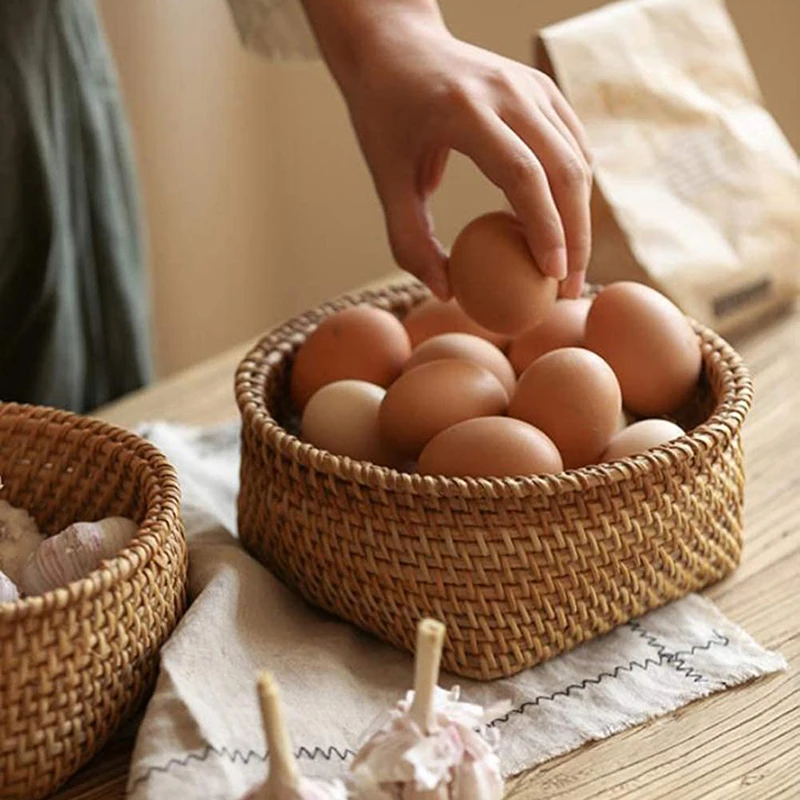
76	661
520	570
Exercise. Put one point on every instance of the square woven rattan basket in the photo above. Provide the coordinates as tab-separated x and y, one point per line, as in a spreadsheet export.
519	570
76	661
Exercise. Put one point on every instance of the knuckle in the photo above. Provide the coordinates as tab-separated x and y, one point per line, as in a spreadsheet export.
572	174
500	81
451	103
546	82
454	97
522	170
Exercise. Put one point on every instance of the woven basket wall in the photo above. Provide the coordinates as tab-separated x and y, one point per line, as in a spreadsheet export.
76	661
520	570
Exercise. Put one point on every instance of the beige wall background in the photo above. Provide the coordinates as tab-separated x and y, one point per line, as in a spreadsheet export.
258	203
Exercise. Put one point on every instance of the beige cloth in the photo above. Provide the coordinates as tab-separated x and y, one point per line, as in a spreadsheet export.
201	735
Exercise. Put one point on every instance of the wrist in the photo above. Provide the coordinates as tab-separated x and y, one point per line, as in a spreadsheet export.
351	32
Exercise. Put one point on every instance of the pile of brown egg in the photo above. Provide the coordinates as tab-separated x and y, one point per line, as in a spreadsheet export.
504	379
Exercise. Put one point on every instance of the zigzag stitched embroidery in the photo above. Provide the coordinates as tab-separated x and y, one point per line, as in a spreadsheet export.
577	687
327	754
676	659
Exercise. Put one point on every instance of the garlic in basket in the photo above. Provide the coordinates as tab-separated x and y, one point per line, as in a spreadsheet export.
74	553
432	748
19	537
284	781
8	589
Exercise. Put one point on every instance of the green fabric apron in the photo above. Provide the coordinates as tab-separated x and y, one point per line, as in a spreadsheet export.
73	309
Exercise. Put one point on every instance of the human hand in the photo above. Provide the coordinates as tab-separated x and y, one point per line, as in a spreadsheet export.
415	93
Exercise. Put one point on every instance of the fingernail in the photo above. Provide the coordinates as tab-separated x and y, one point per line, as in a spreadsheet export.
573	285
555	264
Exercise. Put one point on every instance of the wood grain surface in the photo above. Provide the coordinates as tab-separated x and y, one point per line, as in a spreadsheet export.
744	742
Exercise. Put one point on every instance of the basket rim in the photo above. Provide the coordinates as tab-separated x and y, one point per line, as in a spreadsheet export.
157	526
267	353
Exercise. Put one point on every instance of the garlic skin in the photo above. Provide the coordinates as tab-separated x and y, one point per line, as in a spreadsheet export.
74	552
433	747
456	760
19	537
8	589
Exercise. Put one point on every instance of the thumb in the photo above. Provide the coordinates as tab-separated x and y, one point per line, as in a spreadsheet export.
414	245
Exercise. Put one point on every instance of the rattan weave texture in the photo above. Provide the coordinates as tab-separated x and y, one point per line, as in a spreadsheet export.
76	661
519	570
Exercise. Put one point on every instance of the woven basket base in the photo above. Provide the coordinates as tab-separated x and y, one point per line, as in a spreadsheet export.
519	570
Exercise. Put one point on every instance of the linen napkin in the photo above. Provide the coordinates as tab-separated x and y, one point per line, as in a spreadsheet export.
201	734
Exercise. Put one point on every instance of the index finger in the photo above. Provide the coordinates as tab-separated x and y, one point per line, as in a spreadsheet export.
507	161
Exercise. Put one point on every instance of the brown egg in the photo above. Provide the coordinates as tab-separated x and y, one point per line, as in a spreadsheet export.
466	346
650	345
363	343
433	396
342	418
573	396
432	317
564	326
641	436
496	447
494	277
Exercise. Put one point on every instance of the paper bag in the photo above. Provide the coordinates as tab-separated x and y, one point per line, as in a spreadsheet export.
697	190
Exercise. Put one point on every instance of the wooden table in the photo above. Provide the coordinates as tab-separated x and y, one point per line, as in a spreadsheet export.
741	743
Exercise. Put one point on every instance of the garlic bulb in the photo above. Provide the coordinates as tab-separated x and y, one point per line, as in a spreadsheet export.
284	781
19	537
74	553
434	747
8	589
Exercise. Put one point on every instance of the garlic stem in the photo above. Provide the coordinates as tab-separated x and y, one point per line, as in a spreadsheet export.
430	638
283	772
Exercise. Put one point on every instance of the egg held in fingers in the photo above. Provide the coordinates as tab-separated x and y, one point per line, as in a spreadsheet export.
494	277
